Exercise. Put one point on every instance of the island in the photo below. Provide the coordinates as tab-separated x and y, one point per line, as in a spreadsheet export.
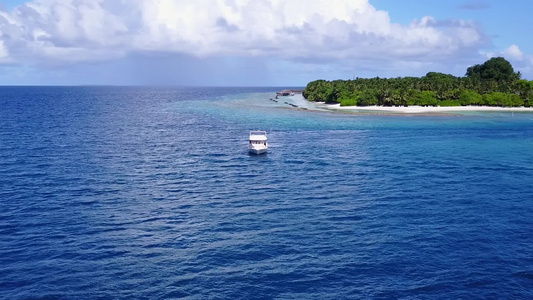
488	86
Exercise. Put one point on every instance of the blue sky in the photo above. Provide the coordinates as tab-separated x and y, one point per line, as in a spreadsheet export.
254	42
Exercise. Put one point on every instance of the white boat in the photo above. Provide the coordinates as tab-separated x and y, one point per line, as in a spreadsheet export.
258	142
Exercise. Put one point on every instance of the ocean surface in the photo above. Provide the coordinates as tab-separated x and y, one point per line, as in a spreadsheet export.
150	193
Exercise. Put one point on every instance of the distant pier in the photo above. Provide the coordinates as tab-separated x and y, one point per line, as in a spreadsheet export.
288	92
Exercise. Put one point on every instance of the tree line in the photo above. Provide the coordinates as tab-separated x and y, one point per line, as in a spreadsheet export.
493	83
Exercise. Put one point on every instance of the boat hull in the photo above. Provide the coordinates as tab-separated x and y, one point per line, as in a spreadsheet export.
257	151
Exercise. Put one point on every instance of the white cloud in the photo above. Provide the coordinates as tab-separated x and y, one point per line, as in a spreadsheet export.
514	52
64	31
3	51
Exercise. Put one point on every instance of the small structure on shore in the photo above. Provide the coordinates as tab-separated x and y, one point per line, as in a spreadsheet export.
291	92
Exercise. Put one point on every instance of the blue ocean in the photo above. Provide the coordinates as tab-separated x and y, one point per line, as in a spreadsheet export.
150	193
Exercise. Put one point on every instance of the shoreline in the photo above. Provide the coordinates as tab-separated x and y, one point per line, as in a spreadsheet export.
421	109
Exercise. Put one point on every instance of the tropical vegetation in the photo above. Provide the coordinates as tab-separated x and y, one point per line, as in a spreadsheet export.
493	83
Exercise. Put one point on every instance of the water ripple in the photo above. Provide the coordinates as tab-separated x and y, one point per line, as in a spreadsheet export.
144	193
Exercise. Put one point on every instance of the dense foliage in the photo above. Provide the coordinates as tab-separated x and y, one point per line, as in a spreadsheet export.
493	83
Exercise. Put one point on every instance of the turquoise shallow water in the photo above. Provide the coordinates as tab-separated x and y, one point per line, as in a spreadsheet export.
149	193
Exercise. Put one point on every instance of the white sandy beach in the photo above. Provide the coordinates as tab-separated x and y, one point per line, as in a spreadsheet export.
304	103
420	109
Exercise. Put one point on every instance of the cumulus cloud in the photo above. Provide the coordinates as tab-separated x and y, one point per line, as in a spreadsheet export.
3	51
63	31
514	52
